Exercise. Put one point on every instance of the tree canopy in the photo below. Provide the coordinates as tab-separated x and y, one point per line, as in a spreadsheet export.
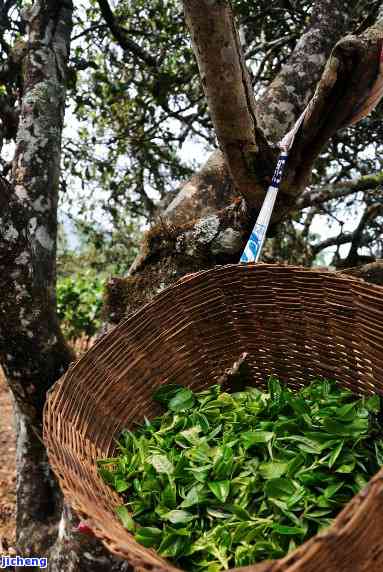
145	125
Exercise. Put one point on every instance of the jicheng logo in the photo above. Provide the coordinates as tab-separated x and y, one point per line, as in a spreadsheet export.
8	561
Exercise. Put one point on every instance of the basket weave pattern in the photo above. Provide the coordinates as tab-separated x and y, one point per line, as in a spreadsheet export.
295	323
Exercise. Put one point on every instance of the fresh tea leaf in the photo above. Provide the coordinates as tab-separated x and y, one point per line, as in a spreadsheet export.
227	480
161	464
220	489
126	519
182	400
148	536
273	469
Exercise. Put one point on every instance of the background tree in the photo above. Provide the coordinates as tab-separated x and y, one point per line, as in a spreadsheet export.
134	87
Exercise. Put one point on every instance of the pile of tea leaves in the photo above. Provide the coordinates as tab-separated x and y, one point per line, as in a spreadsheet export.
225	480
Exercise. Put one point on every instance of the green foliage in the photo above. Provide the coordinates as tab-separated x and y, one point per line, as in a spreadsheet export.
79	303
82	274
225	480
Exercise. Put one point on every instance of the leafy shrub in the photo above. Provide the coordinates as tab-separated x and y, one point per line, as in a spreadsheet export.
79	302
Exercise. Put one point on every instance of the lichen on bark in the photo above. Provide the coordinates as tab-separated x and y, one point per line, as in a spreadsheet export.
32	350
286	97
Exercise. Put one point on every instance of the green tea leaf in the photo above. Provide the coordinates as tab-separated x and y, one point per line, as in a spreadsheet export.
220	489
279	488
218	513
182	400
288	530
196	495
224	480
250	438
169	496
331	490
223	462
346	467
347	412
178	516
161	464
121	485
166	392
273	469
173	545
275	390
335	454
126	519
373	404
148	536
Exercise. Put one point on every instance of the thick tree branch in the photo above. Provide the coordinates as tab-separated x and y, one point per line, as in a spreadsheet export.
356	238
349	74
304	68
317	197
210	189
293	87
345	84
228	90
170	251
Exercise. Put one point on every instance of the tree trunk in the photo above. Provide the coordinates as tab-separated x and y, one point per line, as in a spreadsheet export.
32	349
33	352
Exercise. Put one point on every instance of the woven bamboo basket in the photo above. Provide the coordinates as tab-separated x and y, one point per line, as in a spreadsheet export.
294	323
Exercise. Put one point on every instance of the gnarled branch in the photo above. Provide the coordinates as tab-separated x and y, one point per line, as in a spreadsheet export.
292	89
306	65
229	93
318	197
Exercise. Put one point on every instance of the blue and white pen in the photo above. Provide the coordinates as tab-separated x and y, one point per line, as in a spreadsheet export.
257	238
255	243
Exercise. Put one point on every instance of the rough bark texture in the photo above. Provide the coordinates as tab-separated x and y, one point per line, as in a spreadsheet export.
170	251
367	183
292	89
230	96
209	190
166	254
32	351
349	75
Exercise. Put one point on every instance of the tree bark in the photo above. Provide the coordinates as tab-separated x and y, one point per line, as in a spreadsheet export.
175	247
291	90
230	96
33	352
32	349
